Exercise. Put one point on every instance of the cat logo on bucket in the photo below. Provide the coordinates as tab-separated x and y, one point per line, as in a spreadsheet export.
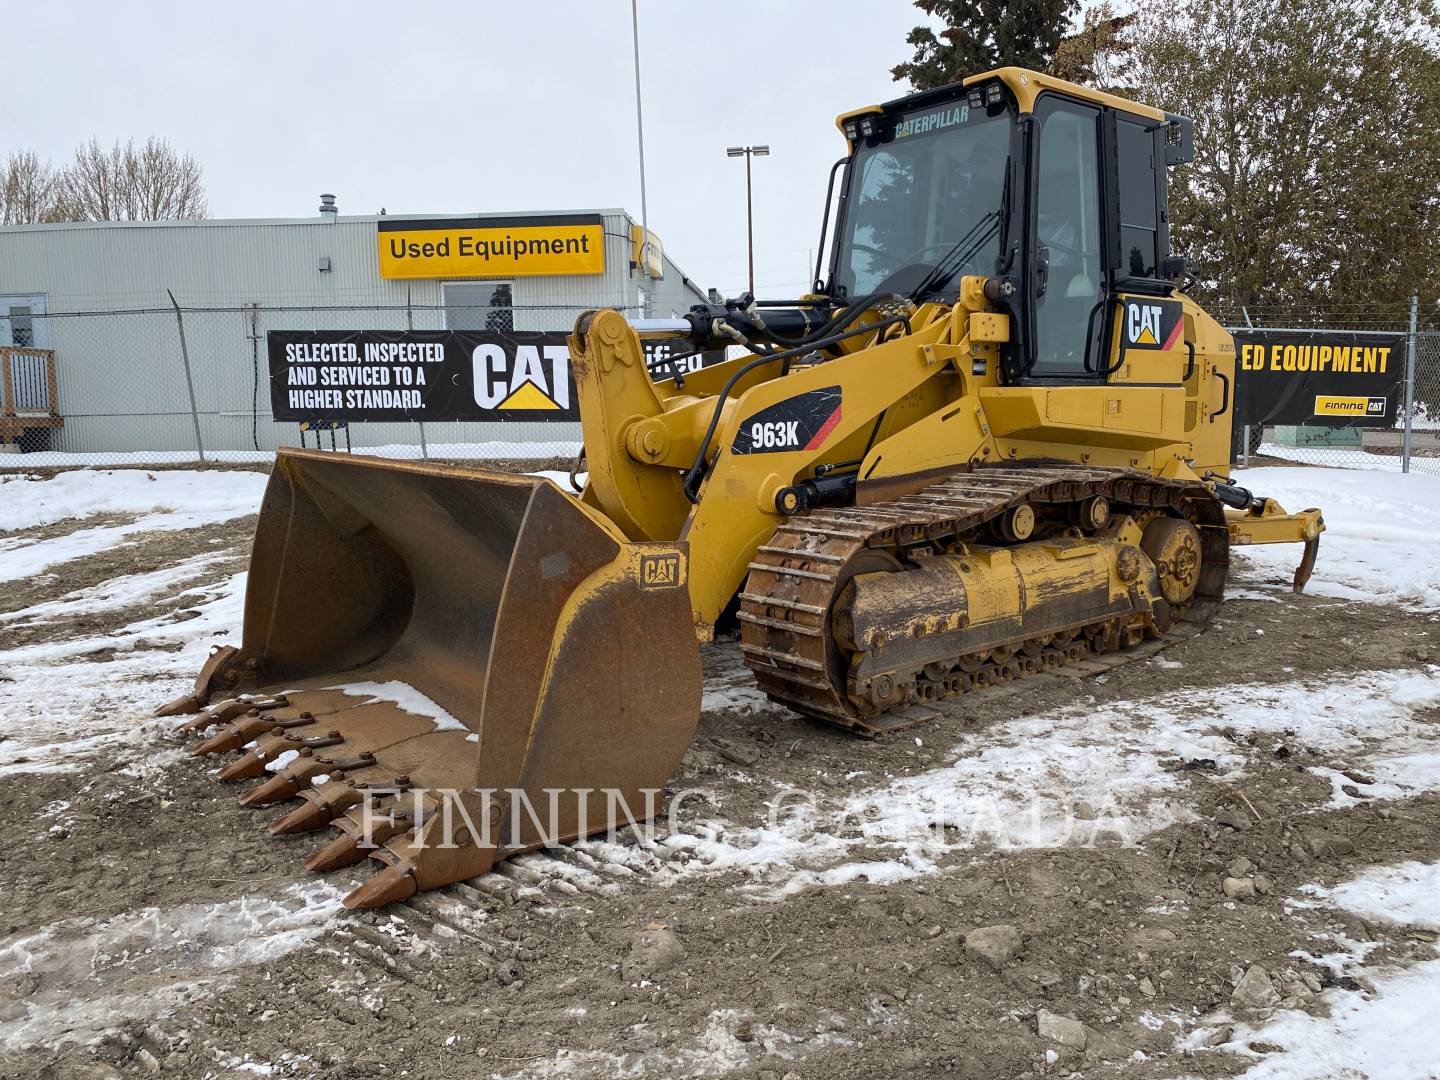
663	571
534	377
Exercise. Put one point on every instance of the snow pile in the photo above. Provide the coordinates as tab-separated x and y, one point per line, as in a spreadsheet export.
1379	535
1334	456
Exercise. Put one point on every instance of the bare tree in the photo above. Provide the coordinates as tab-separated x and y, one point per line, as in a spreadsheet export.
30	190
130	183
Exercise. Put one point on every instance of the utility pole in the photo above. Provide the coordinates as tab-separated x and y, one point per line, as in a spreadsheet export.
747	152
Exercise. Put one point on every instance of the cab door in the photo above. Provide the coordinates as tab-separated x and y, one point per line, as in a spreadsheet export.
1067	273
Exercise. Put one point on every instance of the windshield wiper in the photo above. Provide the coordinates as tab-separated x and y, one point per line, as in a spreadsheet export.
963	250
990	223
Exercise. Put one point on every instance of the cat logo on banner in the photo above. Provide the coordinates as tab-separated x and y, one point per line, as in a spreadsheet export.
532	378
1152	324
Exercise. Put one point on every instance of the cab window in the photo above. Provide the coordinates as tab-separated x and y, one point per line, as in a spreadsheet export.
1138	198
1067	279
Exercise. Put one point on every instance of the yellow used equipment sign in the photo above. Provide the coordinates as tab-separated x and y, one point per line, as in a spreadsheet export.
491	248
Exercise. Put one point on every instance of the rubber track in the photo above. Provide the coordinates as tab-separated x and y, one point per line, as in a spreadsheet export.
797	575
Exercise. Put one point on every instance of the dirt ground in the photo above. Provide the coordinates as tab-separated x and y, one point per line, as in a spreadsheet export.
627	960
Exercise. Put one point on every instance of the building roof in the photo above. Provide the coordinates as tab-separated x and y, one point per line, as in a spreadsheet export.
314	219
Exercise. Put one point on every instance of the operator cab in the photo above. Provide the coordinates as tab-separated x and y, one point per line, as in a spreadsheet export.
1012	174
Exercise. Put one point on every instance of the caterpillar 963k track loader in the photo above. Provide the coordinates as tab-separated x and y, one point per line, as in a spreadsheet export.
994	441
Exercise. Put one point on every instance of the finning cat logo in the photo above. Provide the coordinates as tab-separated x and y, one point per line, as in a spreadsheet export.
524	381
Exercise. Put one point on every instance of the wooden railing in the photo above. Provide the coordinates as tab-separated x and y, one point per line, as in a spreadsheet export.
27	390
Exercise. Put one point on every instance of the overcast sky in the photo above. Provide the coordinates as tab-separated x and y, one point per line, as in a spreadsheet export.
428	107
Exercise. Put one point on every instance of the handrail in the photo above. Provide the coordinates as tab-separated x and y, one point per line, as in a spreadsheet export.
9	392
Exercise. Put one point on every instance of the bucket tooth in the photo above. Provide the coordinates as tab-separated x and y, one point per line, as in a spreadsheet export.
198	722
217	713
387	887
231	738
322	806
354	844
343	851
245	768
311	817
278	788
181	706
298	775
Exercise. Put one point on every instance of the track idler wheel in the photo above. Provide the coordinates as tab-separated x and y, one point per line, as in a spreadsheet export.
1173	545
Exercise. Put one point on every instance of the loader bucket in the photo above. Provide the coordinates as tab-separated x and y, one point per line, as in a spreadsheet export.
450	663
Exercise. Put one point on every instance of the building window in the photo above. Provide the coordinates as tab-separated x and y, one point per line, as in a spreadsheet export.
22	329
479	305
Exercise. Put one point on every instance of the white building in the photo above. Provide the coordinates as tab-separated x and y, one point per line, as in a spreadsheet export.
99	294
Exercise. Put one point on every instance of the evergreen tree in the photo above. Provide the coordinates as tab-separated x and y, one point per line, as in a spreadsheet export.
983	35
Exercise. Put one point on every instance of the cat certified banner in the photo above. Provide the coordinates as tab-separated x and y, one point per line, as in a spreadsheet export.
1318	377
434	375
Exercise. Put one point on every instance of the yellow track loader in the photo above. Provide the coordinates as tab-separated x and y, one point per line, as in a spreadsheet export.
991	443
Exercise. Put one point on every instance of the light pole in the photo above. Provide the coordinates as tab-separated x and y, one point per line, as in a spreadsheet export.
640	132
747	152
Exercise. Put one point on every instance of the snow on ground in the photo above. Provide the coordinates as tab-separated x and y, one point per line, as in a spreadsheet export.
1403	895
1335	456
59	706
477	451
150	960
1080	775
402	694
715	1051
117	593
28	501
1384	1035
163	500
1380	528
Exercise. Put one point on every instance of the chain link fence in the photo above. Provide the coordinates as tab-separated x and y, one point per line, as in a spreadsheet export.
160	386
1410	444
184	385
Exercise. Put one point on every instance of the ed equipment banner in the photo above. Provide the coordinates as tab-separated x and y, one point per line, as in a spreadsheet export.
434	375
1319	377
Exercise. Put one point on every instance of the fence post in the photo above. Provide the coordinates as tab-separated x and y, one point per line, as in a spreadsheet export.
1410	351
410	325
189	382
1245	428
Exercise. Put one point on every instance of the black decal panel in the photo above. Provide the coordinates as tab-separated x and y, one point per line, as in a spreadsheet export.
1148	323
802	422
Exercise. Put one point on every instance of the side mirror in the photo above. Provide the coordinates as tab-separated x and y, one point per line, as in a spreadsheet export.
1179	139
